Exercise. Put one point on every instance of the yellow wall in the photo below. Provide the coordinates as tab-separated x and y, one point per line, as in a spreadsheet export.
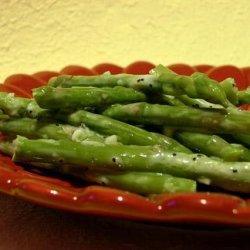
50	34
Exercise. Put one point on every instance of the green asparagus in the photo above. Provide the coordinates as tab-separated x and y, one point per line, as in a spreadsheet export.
140	82
230	89
142	182
138	182
213	145
198	103
18	106
234	176
32	128
184	100
127	134
169	99
244	96
126	156
197	85
81	97
155	114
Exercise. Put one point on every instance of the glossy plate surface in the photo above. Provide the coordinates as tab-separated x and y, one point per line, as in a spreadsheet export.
37	187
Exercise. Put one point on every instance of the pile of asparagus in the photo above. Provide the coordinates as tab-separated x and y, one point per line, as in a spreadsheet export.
149	134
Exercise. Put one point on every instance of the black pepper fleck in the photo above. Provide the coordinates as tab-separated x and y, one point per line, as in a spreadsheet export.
235	171
174	154
194	159
113	160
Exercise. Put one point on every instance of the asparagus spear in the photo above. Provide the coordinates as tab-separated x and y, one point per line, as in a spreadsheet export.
234	176
213	145
171	100
198	103
32	128
244	96
18	106
139	82
197	85
138	182
142	182
232	122
245	155
184	100
230	89
80	97
171	130
127	134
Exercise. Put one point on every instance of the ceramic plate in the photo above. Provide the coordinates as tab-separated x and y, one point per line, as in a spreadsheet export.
52	191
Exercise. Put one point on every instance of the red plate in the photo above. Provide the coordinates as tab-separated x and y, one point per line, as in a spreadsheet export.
182	69
209	208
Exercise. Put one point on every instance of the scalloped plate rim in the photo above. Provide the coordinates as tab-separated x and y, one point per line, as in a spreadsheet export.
157	208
